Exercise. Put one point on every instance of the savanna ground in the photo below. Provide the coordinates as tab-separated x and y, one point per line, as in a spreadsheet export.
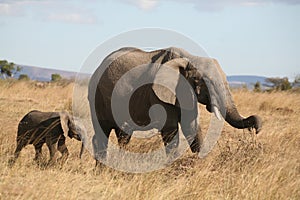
241	166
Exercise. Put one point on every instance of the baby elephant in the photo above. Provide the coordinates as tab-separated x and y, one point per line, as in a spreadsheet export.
51	128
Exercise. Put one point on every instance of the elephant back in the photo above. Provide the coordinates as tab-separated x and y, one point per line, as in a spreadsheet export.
33	119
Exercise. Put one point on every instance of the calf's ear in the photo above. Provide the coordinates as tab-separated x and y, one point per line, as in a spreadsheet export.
64	121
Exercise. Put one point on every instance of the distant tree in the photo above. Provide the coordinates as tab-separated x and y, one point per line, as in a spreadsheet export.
24	77
279	83
8	69
257	87
55	77
245	87
286	85
297	79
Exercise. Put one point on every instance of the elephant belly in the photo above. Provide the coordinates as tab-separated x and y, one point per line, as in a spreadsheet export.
139	106
40	135
37	136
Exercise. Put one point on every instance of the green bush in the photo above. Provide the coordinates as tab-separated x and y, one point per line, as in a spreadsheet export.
257	87
8	69
278	84
24	77
285	85
55	77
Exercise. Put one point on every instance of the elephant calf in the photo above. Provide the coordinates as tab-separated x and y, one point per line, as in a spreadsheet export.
52	128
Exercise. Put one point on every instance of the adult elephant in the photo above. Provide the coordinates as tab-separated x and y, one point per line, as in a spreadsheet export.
130	81
52	128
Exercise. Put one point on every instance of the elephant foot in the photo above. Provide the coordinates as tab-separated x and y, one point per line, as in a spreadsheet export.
39	162
172	154
195	146
11	162
51	162
62	160
99	167
37	158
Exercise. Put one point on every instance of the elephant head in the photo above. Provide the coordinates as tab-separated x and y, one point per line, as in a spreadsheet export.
73	129
69	126
207	81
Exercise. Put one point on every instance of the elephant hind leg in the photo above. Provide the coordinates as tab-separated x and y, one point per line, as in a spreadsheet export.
20	146
170	134
100	142
123	138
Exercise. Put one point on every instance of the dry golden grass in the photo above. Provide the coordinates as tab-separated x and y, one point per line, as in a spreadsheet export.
241	166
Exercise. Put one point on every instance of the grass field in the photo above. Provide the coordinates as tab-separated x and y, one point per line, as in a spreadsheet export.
241	166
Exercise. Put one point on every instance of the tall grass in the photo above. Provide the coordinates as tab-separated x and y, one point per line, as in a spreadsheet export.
241	166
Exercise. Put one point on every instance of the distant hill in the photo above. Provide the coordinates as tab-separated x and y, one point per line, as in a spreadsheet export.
238	81
43	74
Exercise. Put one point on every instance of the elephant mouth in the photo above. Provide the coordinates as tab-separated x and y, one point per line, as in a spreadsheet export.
76	136
210	107
215	110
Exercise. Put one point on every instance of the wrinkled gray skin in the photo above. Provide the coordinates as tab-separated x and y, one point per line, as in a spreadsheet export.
206	79
52	128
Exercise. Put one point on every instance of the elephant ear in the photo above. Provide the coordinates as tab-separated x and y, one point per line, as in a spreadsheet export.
64	121
167	78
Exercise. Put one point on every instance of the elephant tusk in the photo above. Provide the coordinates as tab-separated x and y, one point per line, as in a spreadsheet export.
217	112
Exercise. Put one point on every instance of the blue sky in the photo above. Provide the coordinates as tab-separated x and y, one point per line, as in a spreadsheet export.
248	37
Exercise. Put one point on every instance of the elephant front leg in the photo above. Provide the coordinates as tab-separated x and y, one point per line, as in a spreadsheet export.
170	138
191	130
52	150
197	140
38	151
62	148
81	150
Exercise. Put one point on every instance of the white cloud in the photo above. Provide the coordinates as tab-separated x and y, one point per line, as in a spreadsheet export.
76	18
69	12
55	10
221	4
204	5
147	4
8	9
143	4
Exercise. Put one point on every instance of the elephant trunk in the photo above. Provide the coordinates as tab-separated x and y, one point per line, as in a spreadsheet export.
224	98
236	120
